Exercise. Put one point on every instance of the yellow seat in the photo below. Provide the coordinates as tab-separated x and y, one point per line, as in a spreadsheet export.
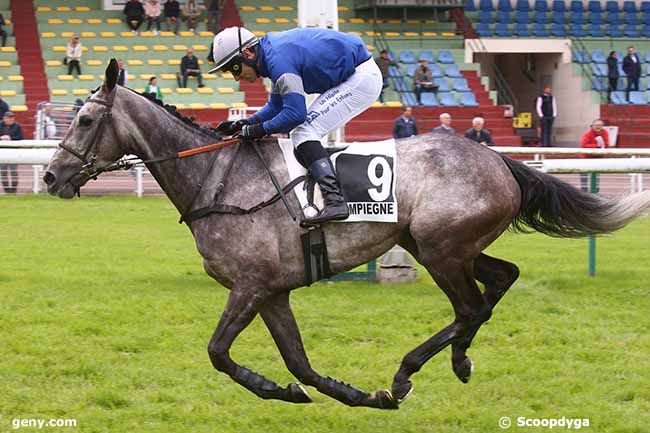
209	76
355	33
94	62
67	34
74	21
342	21
227	76
100	49
226	90
7	93
448	34
166	91
160	48
19	108
139	89
411	34
198	106
5	63
120	48
43	9
200	47
204	34
64	77
357	21
155	62
147	34
259	33
86	77
281	21
59	92
63	9
174	62
15	78
372	34
285	8
181	106
113	21
370	47
88	34
239	105
82	8
94	21
184	91
205	90
267	8
168	76
53	63
7	49
48	35
84	49
107	34
377	104
247	8
179	47
127	34
392	34
343	8
140	48
429	34
169	34
393	104
186	34
134	62
262	20
218	105
80	92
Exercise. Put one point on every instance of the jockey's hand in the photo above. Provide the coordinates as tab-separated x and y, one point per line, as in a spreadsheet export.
252	132
230	127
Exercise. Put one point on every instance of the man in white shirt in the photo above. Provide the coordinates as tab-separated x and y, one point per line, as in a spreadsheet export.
547	111
445	125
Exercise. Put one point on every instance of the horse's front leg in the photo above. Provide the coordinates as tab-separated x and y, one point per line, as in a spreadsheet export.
281	322
240	310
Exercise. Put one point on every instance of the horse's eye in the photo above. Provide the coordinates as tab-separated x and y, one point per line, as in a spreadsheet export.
85	120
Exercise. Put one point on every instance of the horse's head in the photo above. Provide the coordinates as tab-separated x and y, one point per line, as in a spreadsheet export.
90	144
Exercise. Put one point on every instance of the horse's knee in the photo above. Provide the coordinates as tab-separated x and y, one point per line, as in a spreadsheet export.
303	373
219	357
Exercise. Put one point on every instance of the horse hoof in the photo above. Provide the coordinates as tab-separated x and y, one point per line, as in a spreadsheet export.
298	394
383	399
401	392
464	370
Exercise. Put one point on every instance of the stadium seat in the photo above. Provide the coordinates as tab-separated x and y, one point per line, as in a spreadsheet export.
470	6
468	99
502	30
541	6
598	84
638	98
522	17
460	85
594	6
408	99
612	6
631	32
613	18
483	30
443	85
645	31
559	6
485	17
645	7
410	71
595	31
581	57
577	6
445	57
559	18
401	86
453	71
577	18
407	56
426	55
647	57
485	5
629	7
597	56
521	29
599	70
577	31
447	99
630	18
558	30
393	71
618	98
596	18
540	30
504	6
523	6
614	31
436	71
428	99
503	17
540	17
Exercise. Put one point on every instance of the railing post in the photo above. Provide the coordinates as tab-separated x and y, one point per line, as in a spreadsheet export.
36	178
593	188
139	186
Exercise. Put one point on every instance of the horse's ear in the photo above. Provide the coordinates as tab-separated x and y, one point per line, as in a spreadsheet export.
112	72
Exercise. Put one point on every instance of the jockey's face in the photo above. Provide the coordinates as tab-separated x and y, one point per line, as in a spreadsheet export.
247	72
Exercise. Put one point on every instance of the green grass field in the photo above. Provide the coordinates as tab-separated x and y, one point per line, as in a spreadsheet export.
105	315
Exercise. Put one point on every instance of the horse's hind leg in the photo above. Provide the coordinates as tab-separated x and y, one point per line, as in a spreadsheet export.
281	322
240	310
497	275
456	278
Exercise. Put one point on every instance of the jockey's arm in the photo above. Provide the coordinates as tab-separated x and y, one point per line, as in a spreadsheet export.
292	107
269	110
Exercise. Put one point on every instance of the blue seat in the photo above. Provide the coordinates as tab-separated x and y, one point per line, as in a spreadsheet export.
447	99
453	71
630	18
613	18
521	29
522	17
410	70
394	71
407	56
540	17
577	31
445	57
426	55
598	70
598	84
485	17
597	56
540	30
577	18
645	7
577	6
646	71
436	72
504	6
559	18
541	6
647	57
581	57
631	32
638	98
483	30
523	6
596	18
502	30
443	85
559	6
485	5
629	6
504	17
460	85
558	30
595	31
594	6
612	6
470	6
428	99
468	99
618	98
645	31
621	74
614	31
401	86
408	99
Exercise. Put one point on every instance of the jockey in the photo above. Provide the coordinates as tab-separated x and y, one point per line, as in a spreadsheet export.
299	62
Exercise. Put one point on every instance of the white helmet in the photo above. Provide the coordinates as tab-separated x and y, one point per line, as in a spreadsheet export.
228	45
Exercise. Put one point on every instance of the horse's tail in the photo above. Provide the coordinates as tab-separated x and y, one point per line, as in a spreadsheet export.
555	208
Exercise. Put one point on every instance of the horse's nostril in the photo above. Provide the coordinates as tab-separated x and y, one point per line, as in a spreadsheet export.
49	178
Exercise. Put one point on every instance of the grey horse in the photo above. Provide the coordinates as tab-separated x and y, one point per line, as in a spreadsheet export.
455	197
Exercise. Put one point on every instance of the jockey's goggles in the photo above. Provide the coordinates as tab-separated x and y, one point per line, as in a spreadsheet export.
234	66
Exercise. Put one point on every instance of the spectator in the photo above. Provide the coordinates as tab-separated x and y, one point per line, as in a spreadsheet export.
122	74
384	63
153	89
3	33
423	80
4	107
445	124
596	138
152	11
172	15
191	13
478	134
73	55
214	15
48	124
547	111
9	130
632	68
134	14
612	74
405	125
190	67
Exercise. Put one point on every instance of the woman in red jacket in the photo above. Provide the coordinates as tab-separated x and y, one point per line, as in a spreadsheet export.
596	138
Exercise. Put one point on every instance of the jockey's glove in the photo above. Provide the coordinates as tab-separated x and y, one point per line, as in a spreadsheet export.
252	132
231	127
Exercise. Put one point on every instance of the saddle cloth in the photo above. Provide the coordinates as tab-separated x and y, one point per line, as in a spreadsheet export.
366	173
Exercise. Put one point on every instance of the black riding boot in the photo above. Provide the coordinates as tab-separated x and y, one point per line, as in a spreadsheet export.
335	207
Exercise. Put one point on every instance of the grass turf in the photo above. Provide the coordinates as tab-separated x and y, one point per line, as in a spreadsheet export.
105	315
